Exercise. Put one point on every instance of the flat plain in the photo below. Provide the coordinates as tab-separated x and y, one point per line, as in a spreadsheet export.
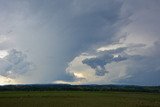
78	99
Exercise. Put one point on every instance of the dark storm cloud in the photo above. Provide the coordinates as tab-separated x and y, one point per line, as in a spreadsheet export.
78	26
54	32
106	57
144	70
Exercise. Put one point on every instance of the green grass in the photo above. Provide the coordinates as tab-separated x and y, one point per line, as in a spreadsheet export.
78	99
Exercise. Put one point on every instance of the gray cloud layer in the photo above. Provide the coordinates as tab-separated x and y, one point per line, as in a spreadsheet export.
14	64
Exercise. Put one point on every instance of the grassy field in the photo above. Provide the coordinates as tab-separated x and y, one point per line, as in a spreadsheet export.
78	99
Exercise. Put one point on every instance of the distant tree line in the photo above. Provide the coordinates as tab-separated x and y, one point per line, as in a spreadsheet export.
67	87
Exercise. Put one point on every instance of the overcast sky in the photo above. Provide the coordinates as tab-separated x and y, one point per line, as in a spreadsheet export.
80	42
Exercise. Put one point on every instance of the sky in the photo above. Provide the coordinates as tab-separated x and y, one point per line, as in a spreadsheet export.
80	42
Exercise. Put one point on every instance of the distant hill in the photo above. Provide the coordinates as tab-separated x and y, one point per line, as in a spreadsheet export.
68	87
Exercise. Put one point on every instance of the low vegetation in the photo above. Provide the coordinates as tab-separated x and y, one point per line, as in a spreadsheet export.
62	95
78	99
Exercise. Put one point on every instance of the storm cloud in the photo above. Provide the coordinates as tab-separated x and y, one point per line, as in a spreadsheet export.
79	40
98	63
